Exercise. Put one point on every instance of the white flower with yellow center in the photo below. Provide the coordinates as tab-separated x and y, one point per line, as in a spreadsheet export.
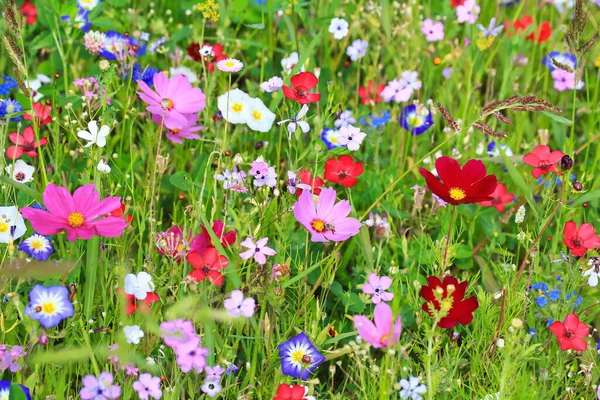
234	106
230	65
88	4
260	118
12	225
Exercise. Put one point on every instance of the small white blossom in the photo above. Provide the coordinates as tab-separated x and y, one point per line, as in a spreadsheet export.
133	334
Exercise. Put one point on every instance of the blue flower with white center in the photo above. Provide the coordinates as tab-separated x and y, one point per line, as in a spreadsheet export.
87	4
415	119
117	46
144	74
81	20
567	59
330	138
5	391
7	86
49	305
10	106
493	151
299	357
37	246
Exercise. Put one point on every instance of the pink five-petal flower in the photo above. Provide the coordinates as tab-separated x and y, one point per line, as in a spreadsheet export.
579	240
377	287
172	98
543	160
433	31
82	214
327	220
258	250
381	333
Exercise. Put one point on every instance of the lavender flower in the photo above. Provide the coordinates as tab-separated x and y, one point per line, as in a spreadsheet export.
100	388
344	119
148	386
49	305
433	31
237	305
357	49
492	30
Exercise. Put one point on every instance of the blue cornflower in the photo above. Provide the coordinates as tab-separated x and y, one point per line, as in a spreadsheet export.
567	59
8	85
415	120
532	332
554	294
540	286
49	305
492	30
299	357
10	106
37	246
541	301
146	75
330	138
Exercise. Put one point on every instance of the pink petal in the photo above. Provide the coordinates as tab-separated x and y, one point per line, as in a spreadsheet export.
325	203
58	200
44	222
383	318
367	330
109	226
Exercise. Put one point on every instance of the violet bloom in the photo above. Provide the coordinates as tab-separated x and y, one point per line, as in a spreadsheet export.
344	119
214	373
492	30
49	305
177	131
173	98
100	388
381	333
326	220
148	386
10	359
357	49
263	174
468	12
299	357
397	91
179	334
194	358
564	80
433	31
237	305
446	72
377	287
258	250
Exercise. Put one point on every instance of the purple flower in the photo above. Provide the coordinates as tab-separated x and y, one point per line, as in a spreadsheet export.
237	305
49	305
357	49
446	72
194	358
179	334
299	357
130	369
344	119
468	12
433	31
564	80
148	386
258	250
214	373
377	287
381	333
231	368
401	89
492	30
100	388
416	119
10	359
263	174
272	85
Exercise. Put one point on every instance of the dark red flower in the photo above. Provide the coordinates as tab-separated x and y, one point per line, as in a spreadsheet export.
212	54
343	170
207	265
119	213
202	241
302	84
456	3
448	297
24	144
571	334
370	94
543	160
29	11
291	392
580	240
42	114
500	198
460	186
140	305
315	183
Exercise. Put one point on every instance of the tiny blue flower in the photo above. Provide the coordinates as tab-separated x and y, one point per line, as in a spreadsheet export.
532	332
554	294
550	322
541	301
540	286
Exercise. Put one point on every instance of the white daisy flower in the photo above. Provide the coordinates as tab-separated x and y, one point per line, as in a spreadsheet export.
260	118
234	106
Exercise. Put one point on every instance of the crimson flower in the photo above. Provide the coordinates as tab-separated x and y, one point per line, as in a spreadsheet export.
292	392
134	305
540	34
24	144
315	183
580	240
302	84
29	11
456	3
119	212
343	170
571	334
42	114
465	185
448	296
500	198
370	94
209	54
207	265
202	241
543	160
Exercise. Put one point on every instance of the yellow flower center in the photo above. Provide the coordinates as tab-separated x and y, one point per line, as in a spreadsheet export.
37	244
384	339
414	121
318	225
457	193
4	227
446	304
175	130
297	356
333	139
167	104
257	115
237	107
76	219
48	307
230	64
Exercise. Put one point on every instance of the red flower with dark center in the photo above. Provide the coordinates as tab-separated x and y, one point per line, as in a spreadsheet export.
448	296
580	240
571	334
42	114
203	241
465	185
500	198
370	94
29	11
207	265
343	170
291	392
302	84
140	305
24	144
315	183
119	213
210	60
543	160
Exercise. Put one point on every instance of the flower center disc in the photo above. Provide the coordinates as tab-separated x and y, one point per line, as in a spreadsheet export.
236	107
457	193
318	225
167	104
257	115
48	308
76	219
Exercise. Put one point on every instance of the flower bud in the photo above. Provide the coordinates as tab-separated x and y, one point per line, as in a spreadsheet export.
566	163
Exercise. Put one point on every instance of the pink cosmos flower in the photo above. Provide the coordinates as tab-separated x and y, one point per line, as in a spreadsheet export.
467	12
327	220
381	333
258	250
78	214
377	287
433	31
177	131
543	160
173	99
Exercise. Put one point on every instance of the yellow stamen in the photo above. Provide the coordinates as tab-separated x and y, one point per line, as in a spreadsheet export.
457	193
76	219
237	107
257	115
4	227
318	225
297	356
48	308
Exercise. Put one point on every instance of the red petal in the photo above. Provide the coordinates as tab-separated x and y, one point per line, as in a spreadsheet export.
570	230
558	329
449	171
307	80
289	93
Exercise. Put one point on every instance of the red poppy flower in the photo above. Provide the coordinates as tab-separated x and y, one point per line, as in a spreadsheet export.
370	94
302	84
580	240
291	392
25	143
541	33
543	160
202	241
29	11
460	186
315	183
500	198
449	297
42	114
571	334
119	213
517	26
140	305
343	170
210	60
208	266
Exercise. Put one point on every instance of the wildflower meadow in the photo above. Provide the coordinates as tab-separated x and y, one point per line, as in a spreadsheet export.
299	199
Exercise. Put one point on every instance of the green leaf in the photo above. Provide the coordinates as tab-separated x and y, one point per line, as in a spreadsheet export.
181	34
181	180
306	52
517	178
16	392
589	196
104	22
255	26
558	118
386	17
29	191
42	41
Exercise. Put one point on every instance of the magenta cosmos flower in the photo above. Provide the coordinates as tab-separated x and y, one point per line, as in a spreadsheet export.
377	287
384	332
81	215
326	220
174	98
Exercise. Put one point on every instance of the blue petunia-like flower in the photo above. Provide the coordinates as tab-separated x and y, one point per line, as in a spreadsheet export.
8	85
330	138
144	74
37	246
117	46
299	357
49	305
414	120
567	59
5	390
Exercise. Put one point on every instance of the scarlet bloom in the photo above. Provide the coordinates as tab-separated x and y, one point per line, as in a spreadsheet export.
29	11
500	198
210	55
302	84
134	305
370	94
202	241
315	183
571	334
119	212
580	240
465	185
292	392
543	160
207	265
24	144
343	170
448	296
456	3
42	114
539	35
